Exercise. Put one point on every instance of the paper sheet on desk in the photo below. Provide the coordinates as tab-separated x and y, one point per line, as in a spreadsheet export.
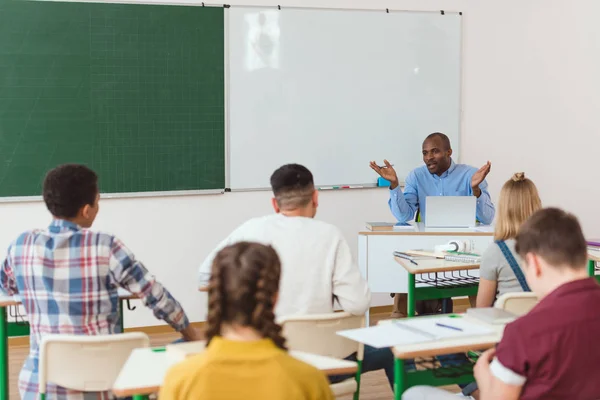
414	330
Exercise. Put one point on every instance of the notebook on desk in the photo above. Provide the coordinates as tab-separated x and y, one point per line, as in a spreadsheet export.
415	330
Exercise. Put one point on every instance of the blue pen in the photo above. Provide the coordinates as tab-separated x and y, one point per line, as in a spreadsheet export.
448	326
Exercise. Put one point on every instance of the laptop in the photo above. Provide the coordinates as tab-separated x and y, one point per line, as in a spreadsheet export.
450	211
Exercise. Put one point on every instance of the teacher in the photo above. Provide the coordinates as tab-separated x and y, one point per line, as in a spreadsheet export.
440	176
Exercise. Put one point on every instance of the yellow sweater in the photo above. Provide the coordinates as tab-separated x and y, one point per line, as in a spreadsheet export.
229	370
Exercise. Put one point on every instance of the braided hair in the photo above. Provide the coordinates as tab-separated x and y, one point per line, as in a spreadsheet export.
242	288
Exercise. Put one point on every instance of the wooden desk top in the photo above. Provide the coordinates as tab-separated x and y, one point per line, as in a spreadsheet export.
144	370
421	230
434	265
450	346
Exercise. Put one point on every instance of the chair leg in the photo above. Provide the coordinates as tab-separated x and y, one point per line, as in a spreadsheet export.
357	377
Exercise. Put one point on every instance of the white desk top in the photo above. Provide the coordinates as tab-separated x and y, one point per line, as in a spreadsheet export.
144	370
450	346
434	265
6	300
421	230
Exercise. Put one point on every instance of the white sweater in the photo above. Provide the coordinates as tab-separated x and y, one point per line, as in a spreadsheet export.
316	264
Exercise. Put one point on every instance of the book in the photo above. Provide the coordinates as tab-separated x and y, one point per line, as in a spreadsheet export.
492	315
594	243
467	259
457	256
389	226
415	330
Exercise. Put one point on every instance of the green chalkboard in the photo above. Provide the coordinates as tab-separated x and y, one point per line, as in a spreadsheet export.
136	92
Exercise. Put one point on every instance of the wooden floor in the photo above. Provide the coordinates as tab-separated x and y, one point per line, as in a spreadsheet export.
374	385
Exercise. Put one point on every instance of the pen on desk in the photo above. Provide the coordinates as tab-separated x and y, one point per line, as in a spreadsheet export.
448	326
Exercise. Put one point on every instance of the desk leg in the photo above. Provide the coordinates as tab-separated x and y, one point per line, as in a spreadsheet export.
122	318
591	267
399	378
411	296
3	355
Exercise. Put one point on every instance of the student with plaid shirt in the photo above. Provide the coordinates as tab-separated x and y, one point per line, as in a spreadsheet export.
67	276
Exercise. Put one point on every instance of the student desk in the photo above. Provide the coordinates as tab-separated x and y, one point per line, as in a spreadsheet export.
439	279
593	258
15	329
376	248
145	369
404	380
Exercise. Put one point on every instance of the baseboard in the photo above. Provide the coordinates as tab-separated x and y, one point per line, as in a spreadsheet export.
22	341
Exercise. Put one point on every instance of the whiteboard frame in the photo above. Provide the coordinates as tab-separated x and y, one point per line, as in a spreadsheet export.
387	11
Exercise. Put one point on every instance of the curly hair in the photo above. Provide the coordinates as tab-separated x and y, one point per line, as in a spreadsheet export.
242	288
69	187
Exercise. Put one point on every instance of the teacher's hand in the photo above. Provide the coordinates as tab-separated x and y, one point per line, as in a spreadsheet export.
386	172
479	176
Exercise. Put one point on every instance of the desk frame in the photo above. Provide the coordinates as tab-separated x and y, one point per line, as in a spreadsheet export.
436	292
23	330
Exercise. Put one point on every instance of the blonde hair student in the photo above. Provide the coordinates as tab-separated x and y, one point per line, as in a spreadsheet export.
246	356
500	270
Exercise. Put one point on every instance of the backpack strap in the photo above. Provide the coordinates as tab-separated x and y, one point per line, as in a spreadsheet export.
513	265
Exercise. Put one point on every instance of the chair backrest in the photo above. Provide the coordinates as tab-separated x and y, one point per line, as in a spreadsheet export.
86	363
518	303
317	334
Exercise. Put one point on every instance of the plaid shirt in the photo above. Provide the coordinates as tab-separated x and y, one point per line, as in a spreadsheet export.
67	278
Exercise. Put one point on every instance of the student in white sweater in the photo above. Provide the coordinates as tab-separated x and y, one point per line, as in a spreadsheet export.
316	262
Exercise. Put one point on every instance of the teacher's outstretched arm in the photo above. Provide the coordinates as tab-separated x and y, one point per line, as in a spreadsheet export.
485	208
402	204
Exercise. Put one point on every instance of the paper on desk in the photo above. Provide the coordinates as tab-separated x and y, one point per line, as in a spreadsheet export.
414	330
429	325
403	227
382	335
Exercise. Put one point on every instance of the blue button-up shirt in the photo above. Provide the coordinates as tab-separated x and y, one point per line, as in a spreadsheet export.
420	183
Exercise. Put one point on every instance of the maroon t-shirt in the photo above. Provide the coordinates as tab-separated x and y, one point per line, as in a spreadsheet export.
556	346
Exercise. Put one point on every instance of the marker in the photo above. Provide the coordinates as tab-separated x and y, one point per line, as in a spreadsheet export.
340	187
448	326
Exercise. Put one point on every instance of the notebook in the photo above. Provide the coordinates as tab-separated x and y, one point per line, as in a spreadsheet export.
415	330
389	226
463	258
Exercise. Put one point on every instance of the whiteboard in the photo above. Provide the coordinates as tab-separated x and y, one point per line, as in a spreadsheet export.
334	89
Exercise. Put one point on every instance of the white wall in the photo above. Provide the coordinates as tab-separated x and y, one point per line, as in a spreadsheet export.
531	98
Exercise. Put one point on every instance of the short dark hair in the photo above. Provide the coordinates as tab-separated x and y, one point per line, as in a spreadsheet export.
292	186
554	235
440	135
68	188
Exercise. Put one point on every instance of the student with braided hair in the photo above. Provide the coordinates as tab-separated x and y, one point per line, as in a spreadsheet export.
246	355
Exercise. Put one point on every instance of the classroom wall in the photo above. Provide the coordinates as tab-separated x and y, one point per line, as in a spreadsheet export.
531	95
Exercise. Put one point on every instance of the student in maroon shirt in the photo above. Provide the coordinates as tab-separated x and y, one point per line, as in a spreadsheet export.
551	352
